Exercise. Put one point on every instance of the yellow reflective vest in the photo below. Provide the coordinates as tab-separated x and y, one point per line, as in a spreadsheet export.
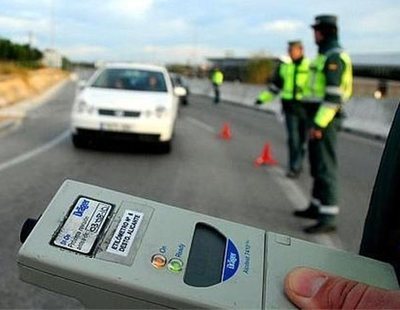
217	77
317	88
294	79
316	85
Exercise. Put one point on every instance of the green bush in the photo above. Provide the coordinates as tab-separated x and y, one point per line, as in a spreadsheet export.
10	51
259	70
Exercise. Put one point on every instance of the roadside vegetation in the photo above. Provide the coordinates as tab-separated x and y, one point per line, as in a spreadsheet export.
19	58
259	70
11	69
20	55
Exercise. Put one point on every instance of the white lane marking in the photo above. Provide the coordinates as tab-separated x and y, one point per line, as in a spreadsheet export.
13	126
298	199
291	190
200	124
35	152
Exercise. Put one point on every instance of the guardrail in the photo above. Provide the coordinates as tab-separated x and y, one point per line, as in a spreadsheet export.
364	115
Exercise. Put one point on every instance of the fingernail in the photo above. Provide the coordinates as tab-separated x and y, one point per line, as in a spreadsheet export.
306	282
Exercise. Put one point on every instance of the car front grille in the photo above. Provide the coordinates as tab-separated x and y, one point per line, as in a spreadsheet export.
119	113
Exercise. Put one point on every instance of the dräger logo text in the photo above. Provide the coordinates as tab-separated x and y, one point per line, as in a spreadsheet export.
231	262
79	210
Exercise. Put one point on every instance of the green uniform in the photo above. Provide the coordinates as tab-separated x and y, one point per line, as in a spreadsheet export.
217	79
330	85
290	80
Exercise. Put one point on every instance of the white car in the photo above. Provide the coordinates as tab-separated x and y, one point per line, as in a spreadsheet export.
126	102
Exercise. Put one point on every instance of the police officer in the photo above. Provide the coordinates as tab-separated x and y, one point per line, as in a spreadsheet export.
315	289
330	85
289	81
217	78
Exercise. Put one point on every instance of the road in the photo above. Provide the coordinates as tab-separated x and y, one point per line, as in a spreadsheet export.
203	173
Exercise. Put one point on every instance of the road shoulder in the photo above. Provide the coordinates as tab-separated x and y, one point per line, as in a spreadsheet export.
13	114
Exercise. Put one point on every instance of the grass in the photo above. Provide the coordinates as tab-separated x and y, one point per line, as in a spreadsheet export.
9	68
22	69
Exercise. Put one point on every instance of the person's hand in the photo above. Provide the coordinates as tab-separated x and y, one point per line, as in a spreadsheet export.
314	289
316	134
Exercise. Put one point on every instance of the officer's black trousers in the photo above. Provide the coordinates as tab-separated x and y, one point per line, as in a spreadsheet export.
296	125
323	162
216	93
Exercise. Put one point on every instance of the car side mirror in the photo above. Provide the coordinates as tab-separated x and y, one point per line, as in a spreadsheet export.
82	84
180	91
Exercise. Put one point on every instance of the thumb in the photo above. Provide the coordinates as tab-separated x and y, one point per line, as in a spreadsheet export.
310	289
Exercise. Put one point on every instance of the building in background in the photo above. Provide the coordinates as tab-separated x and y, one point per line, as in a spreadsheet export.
52	58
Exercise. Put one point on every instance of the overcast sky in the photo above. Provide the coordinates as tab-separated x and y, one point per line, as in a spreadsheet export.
189	30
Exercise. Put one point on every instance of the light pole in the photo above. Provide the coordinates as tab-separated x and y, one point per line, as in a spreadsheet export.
52	25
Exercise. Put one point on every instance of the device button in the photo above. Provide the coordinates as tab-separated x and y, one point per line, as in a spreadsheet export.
283	239
27	229
175	265
158	261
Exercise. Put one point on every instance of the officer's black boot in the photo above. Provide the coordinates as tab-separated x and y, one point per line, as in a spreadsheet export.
312	212
325	224
293	174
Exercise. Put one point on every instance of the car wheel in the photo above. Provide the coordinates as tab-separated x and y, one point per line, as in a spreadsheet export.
165	147
79	141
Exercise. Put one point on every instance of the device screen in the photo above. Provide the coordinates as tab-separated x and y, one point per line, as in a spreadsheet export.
206	257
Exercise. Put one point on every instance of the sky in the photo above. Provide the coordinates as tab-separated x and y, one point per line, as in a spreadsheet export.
188	31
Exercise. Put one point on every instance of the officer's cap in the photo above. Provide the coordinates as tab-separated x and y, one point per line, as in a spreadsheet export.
325	20
295	43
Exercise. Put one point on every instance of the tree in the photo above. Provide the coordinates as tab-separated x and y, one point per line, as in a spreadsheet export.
10	51
259	70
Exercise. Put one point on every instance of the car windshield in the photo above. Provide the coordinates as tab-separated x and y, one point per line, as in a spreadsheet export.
131	79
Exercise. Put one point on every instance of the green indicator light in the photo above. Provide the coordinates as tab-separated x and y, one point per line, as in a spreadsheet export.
175	265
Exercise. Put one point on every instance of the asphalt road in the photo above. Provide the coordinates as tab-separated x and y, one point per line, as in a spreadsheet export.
203	173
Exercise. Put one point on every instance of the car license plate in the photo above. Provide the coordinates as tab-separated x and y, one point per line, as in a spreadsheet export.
116	127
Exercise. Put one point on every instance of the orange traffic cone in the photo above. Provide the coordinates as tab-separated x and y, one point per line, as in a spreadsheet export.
225	132
265	157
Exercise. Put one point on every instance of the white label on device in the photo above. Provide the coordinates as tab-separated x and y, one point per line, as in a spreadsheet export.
82	227
125	233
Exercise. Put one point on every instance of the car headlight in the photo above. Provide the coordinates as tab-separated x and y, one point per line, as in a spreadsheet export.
161	111
84	107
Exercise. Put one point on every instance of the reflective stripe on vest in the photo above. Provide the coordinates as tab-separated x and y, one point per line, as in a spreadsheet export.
325	114
347	78
316	86
287	72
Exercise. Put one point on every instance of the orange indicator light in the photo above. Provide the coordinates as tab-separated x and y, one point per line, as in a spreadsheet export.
158	261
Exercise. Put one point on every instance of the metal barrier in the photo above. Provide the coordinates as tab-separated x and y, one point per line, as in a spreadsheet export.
364	115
